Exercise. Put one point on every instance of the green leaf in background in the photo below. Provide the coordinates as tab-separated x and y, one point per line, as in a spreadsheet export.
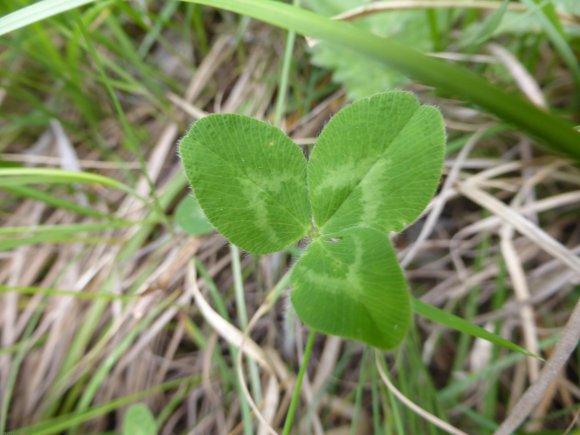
376	164
351	285
139	421
190	217
360	75
570	6
250	180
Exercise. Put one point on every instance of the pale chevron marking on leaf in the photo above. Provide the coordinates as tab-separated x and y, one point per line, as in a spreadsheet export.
343	175
372	185
250	180
257	181
352	136
387	188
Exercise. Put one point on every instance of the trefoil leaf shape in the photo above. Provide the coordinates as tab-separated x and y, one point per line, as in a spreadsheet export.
372	170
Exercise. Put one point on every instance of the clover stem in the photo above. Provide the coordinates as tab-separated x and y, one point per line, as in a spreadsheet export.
298	386
314	233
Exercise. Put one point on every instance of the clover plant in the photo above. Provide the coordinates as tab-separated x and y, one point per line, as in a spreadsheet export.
373	170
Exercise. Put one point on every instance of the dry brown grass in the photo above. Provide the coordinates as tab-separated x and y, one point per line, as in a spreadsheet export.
501	194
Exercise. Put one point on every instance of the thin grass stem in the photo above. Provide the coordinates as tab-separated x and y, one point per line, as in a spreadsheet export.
243	314
284	75
298	386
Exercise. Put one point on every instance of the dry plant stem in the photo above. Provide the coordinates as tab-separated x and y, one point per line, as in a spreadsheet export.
411	405
265	424
327	361
512	259
523	78
267	417
271	401
520	285
524	226
541	205
379	7
441	200
225	329
533	395
572	423
243	315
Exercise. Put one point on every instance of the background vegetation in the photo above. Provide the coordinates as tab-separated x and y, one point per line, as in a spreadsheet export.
107	301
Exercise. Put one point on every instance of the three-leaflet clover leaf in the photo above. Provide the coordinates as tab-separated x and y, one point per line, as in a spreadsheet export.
373	170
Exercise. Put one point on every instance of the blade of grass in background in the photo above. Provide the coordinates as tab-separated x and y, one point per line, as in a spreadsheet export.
55	201
554	133
450	320
60	292
69	229
64	422
23	176
38	12
546	15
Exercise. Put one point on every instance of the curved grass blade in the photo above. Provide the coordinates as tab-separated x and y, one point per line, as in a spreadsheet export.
24	176
37	12
555	133
454	322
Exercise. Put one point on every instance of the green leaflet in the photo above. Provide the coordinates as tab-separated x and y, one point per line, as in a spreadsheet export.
250	180
190	217
376	164
352	286
139	421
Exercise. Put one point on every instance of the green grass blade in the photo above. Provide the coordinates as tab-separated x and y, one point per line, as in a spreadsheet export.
37	12
60	292
24	176
548	19
55	201
67	421
452	321
554	133
66	230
